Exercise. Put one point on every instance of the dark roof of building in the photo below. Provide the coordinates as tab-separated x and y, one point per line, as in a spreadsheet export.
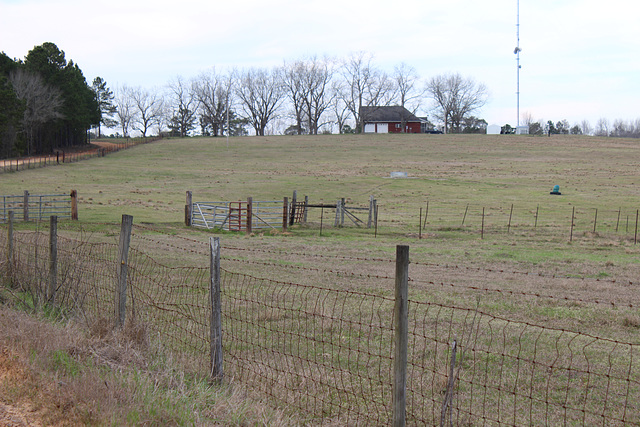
387	114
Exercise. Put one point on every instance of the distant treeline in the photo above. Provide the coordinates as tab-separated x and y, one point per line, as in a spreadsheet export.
45	103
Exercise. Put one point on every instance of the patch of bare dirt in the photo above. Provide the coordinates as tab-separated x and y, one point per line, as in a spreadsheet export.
16	408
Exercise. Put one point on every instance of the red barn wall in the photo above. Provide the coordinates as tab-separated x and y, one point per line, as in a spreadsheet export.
411	127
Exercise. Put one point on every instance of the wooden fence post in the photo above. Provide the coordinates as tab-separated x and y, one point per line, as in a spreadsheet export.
249	215
426	215
337	221
285	211
74	205
216	312
306	208
510	216
401	326
25	206
465	215
342	212
375	215
122	269
187	209
369	221
292	216
573	212
10	244
635	236
53	259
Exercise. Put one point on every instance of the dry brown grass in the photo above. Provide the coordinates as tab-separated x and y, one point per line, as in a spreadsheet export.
62	375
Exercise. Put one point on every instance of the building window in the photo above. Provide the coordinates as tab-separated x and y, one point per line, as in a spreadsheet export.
397	125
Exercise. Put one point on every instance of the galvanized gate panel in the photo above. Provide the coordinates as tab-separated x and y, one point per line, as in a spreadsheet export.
232	216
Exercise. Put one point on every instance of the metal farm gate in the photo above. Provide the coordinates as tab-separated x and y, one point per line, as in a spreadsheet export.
232	216
38	207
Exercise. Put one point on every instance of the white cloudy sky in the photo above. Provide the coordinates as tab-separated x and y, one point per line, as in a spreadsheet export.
580	58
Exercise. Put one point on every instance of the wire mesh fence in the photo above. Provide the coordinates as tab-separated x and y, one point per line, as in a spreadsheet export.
327	352
17	164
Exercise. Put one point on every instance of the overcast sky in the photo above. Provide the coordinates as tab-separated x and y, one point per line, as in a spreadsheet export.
580	58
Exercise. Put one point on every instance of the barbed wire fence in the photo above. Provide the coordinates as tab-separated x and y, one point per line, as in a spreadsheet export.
329	352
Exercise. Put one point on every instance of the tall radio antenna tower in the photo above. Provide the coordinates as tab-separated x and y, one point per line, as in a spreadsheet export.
517	52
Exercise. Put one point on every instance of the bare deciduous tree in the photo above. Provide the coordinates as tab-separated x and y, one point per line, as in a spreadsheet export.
293	75
125	109
148	106
260	93
365	86
409	96
42	102
212	91
455	98
318	89
585	126
602	127
184	106
339	107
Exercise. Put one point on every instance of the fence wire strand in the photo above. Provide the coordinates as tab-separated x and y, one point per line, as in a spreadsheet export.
326	350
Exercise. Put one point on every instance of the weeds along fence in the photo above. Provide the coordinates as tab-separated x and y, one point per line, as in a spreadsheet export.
327	340
17	164
39	207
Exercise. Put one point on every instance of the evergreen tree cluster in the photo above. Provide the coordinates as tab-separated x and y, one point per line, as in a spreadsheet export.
45	103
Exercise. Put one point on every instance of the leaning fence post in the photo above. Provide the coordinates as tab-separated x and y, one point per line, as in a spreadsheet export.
294	200
426	215
401	327
25	206
53	259
74	205
216	312
122	269
187	209
510	216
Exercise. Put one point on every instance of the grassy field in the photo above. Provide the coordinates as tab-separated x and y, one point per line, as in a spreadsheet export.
587	280
452	173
